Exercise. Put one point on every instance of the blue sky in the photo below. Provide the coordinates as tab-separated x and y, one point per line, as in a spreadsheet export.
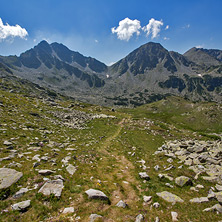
85	25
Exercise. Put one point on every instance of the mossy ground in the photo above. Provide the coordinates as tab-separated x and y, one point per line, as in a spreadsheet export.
107	155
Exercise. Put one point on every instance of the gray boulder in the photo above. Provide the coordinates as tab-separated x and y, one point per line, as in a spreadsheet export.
96	194
139	218
147	199
68	210
52	187
169	197
183	181
8	177
93	217
45	172
216	207
71	169
21	206
199	200
121	204
219	197
20	193
144	175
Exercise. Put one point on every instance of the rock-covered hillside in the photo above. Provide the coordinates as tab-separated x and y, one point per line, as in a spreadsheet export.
147	74
62	160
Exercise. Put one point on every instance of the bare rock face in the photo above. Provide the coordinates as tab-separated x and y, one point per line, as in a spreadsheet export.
8	177
52	187
96	194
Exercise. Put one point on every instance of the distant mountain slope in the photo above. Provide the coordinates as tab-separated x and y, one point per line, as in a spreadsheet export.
206	57
151	72
54	65
147	74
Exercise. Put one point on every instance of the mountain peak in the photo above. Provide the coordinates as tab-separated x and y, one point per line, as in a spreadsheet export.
43	43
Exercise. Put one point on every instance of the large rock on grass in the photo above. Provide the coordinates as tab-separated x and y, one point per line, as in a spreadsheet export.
8	177
21	206
96	194
52	187
94	217
183	181
169	197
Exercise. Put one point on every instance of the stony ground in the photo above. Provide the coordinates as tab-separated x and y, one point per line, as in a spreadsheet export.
65	161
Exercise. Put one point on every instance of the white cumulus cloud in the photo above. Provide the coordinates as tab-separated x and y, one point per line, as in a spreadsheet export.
153	27
127	28
7	31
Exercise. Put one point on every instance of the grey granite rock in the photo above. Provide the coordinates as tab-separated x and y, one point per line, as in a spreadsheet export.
8	177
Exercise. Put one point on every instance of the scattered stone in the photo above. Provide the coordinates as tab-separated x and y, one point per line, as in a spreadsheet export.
218	187
36	164
199	200
44	158
20	193
96	194
45	172
170	160
199	186
219	197
157	219
156	205
216	207
71	169
147	198
139	218
93	217
174	216
169	197
8	177
162	176
7	143
212	179
170	168
169	185
157	167
143	175
183	181
194	189
68	210
21	206
52	187
59	177
121	204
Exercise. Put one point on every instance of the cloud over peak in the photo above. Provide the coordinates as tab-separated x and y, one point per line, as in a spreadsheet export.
153	27
127	28
7	31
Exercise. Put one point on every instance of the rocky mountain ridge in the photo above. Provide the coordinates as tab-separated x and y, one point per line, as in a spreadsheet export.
147	74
